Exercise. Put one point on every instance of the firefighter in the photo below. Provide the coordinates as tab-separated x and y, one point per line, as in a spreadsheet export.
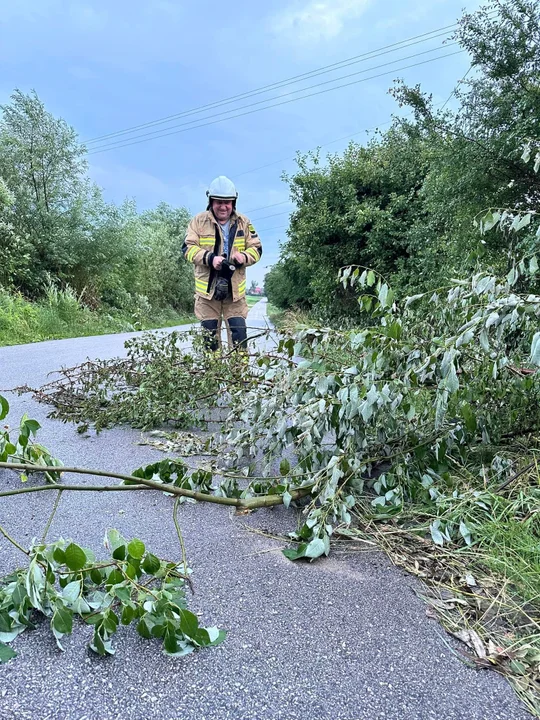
221	243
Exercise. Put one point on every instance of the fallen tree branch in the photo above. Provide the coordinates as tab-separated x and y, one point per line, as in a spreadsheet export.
141	483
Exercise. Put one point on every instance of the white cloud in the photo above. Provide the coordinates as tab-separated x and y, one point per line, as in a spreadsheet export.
318	20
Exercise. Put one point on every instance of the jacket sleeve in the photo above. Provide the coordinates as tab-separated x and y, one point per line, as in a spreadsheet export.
253	251
193	250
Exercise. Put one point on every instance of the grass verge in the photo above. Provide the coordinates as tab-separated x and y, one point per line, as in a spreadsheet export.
485	593
252	300
61	315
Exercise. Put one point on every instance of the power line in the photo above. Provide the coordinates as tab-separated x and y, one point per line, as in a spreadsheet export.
264	207
330	142
159	133
384	50
250	112
455	88
279	227
265	217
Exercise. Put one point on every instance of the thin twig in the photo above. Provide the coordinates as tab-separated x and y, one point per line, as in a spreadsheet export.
180	536
51	517
87	488
510	480
13	542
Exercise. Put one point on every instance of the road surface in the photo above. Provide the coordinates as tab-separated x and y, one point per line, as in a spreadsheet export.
344	638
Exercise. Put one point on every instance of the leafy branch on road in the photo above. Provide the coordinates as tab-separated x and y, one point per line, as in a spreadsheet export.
25	449
165	378
64	581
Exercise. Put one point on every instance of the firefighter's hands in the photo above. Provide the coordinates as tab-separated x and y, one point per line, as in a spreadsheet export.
237	257
217	261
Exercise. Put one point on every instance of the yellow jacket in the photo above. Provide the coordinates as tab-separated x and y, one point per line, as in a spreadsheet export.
204	240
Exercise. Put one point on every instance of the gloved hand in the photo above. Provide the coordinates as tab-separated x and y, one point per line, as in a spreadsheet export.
237	257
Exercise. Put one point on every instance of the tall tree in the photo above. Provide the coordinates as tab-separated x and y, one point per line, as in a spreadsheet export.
43	164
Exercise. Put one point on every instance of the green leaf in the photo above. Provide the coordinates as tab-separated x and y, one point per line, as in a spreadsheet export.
75	557
96	576
72	591
62	620
122	592
170	642
119	553
533	265
207	637
158	630
97	644
535	349
6	653
151	564
521	222
32	425
189	623
216	636
110	622
128	613
436	534
143	630
287	497
131	571
370	280
295	554
489	221
59	556
512	277
4	407
465	532
136	548
115	578
383	295
113	539
315	549
284	467
452	382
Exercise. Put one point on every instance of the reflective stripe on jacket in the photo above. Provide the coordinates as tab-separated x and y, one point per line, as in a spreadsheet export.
204	240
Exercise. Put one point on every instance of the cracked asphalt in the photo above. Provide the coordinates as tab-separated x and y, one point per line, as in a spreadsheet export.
345	638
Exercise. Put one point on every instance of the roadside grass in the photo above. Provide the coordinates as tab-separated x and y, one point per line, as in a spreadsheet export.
485	593
252	300
61	315
286	320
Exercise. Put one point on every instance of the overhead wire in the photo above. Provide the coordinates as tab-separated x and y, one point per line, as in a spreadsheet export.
282	102
265	207
159	133
330	142
265	217
455	88
325	69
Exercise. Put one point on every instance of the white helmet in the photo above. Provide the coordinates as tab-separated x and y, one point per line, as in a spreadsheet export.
222	187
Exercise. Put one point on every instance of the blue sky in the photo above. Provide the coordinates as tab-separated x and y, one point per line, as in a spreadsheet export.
105	66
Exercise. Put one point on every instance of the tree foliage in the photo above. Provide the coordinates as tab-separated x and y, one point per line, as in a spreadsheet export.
404	204
56	228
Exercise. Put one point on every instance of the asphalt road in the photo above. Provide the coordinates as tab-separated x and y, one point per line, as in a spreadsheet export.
344	638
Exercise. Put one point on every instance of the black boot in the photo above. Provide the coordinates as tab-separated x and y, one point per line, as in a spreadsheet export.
237	326
210	328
